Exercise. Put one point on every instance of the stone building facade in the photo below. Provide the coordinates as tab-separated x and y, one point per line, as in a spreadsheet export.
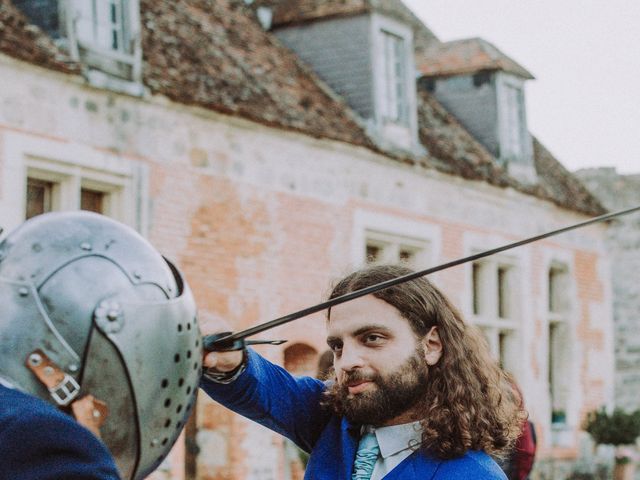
251	171
618	192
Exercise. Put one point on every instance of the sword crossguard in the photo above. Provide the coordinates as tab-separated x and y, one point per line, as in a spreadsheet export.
216	342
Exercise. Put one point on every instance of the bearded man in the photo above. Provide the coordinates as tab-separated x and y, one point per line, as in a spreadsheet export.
414	395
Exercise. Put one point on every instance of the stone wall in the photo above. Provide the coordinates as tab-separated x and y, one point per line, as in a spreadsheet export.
619	192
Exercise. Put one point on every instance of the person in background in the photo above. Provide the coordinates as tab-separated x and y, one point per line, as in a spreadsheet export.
517	465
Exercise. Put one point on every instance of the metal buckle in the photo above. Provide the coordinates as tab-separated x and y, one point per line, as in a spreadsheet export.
65	391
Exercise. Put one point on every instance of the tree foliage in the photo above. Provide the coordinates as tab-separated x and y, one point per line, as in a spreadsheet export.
617	428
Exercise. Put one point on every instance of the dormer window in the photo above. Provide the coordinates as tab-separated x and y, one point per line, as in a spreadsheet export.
513	121
102	35
368	59
394	121
395	102
103	24
107	36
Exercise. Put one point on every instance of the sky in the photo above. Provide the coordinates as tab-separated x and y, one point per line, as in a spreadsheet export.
584	104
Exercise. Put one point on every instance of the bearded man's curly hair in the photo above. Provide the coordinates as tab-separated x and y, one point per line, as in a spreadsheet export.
470	403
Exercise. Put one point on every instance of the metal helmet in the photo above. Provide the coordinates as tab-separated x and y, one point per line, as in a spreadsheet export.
90	310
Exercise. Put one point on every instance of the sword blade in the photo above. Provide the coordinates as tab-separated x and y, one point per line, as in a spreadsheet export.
406	278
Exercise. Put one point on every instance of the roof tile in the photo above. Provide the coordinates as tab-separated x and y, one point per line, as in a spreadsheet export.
212	53
24	41
466	56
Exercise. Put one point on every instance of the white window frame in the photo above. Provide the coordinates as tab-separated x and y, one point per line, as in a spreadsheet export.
392	245
560	434
71	167
395	105
396	126
498	323
512	118
393	232
68	181
85	44
561	319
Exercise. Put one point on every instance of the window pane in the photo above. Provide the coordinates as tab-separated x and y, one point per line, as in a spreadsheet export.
395	78
475	280
92	200
558	295
502	349
503	293
557	374
38	197
373	253
406	255
513	119
102	23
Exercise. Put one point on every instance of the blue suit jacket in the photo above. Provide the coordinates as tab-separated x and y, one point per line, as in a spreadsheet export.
269	395
39	442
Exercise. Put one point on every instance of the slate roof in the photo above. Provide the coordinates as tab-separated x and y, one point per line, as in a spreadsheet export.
466	56
560	186
291	12
214	54
453	150
21	40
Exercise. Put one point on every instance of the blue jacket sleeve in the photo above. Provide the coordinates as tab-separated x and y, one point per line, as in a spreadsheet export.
272	397
48	445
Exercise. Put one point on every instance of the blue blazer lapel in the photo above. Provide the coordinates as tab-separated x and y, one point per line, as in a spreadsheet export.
350	438
416	465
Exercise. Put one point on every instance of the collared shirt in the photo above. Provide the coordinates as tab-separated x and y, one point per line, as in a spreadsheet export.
396	443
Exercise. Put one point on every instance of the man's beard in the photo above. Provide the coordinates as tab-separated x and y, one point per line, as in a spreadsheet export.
392	394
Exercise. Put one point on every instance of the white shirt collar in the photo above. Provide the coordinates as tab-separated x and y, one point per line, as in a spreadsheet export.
396	438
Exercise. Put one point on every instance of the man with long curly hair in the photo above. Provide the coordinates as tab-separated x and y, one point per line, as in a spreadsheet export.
414	393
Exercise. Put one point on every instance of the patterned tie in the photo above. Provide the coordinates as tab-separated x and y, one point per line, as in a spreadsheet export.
366	457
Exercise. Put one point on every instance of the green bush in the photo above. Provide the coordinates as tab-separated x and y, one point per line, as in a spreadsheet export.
617	428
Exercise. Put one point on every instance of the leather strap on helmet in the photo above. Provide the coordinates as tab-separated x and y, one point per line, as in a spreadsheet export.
90	413
88	410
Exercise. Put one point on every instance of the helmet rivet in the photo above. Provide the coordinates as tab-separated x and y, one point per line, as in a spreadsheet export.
112	316
48	371
137	275
73	367
154	442
35	359
85	246
23	291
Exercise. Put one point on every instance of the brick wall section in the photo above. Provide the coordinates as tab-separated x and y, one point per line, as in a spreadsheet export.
589	333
